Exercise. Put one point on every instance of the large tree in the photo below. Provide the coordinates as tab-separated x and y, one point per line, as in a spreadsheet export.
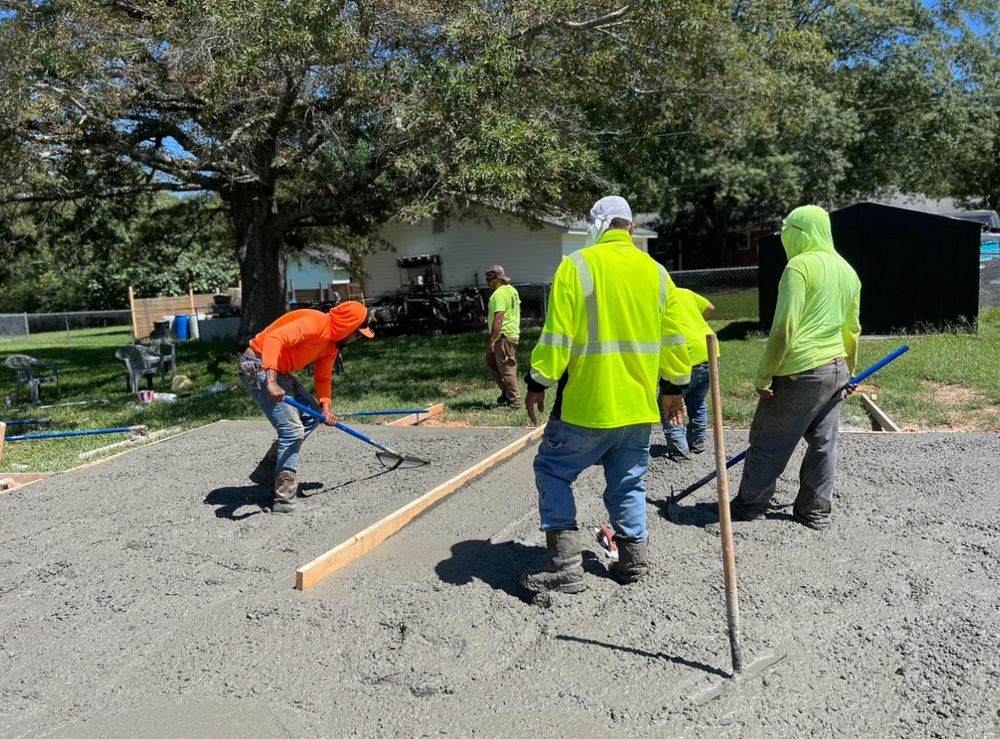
816	101
300	114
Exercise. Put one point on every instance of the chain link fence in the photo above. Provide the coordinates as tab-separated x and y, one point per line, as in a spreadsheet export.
721	280
13	324
42	322
733	291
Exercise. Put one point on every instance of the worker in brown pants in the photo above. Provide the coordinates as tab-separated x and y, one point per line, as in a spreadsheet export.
505	329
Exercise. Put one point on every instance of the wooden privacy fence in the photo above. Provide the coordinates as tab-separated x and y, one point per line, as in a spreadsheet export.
147	310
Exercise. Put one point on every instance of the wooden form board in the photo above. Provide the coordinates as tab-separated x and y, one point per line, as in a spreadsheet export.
414	418
878	414
15	480
361	543
134	441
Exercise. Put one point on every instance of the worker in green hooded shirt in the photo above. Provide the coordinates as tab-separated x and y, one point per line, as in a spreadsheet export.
811	352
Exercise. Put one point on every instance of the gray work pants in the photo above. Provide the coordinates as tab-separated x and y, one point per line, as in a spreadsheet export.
804	406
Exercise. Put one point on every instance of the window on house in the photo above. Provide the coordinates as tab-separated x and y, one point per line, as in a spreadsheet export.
438	225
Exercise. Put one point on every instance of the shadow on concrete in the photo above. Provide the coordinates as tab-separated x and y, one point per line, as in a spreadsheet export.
346	483
707	512
657	451
231	499
643	653
500	565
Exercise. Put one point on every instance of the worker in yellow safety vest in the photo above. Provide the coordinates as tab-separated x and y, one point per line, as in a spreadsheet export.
611	340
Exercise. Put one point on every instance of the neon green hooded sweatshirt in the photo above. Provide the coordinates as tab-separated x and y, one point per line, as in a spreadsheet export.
819	298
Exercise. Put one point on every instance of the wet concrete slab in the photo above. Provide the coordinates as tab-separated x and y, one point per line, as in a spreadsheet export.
153	592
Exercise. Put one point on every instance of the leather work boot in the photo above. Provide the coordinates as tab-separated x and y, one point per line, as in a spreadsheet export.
633	562
564	571
264	473
285	488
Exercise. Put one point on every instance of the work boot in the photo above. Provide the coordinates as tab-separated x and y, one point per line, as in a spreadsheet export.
285	488
504	402
680	457
564	571
633	562
264	473
815	514
740	510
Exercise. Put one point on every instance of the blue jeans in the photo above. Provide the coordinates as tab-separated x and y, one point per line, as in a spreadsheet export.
680	439
293	427
567	450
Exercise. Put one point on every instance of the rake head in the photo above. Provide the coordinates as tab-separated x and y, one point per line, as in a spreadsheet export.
393	461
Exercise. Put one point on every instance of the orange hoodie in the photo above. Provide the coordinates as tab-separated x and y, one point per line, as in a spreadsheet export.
302	337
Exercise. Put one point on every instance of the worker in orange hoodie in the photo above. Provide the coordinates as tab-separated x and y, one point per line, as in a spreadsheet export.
294	341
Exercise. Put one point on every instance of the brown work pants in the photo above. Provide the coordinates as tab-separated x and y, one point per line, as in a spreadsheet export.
502	364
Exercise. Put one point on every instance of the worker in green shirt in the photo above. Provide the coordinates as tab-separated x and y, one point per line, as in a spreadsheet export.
504	326
683	441
811	352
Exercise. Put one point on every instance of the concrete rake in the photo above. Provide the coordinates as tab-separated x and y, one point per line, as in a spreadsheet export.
674	499
389	459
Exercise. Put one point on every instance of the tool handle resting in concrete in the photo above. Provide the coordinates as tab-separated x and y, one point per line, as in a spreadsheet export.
742	455
725	522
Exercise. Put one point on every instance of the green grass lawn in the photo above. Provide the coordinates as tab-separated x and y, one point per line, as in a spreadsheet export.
945	381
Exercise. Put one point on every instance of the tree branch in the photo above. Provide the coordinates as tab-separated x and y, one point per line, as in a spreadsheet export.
605	20
54	196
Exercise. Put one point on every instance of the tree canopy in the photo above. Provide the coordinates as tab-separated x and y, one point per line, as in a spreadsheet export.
311	117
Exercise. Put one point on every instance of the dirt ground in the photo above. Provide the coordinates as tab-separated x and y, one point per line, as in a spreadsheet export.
152	596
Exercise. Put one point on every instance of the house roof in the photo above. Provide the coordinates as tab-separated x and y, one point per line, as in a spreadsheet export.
989	219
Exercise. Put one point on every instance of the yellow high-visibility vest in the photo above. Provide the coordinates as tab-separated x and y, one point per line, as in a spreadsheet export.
613	328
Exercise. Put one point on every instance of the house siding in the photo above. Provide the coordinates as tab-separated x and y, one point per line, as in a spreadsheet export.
468	249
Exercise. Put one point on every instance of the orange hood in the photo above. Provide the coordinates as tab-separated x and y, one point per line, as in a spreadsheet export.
347	318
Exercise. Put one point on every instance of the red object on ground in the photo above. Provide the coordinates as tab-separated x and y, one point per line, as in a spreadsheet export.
606	538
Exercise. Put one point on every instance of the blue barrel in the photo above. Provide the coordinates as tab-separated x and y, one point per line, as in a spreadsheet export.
181	327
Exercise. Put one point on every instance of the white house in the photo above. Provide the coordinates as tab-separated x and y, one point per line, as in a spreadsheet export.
468	248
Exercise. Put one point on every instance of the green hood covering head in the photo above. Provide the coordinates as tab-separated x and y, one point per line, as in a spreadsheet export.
807	228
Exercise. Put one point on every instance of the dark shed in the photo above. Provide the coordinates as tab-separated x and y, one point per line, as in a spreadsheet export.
918	270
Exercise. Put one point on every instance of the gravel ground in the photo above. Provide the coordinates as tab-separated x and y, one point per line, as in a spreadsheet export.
151	595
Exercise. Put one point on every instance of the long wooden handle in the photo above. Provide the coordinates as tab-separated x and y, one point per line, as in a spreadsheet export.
725	521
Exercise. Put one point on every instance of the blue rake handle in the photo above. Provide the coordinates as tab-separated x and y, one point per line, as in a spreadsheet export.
64	434
732	461
356	434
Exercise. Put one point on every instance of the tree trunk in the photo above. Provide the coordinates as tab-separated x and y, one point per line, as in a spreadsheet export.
262	271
